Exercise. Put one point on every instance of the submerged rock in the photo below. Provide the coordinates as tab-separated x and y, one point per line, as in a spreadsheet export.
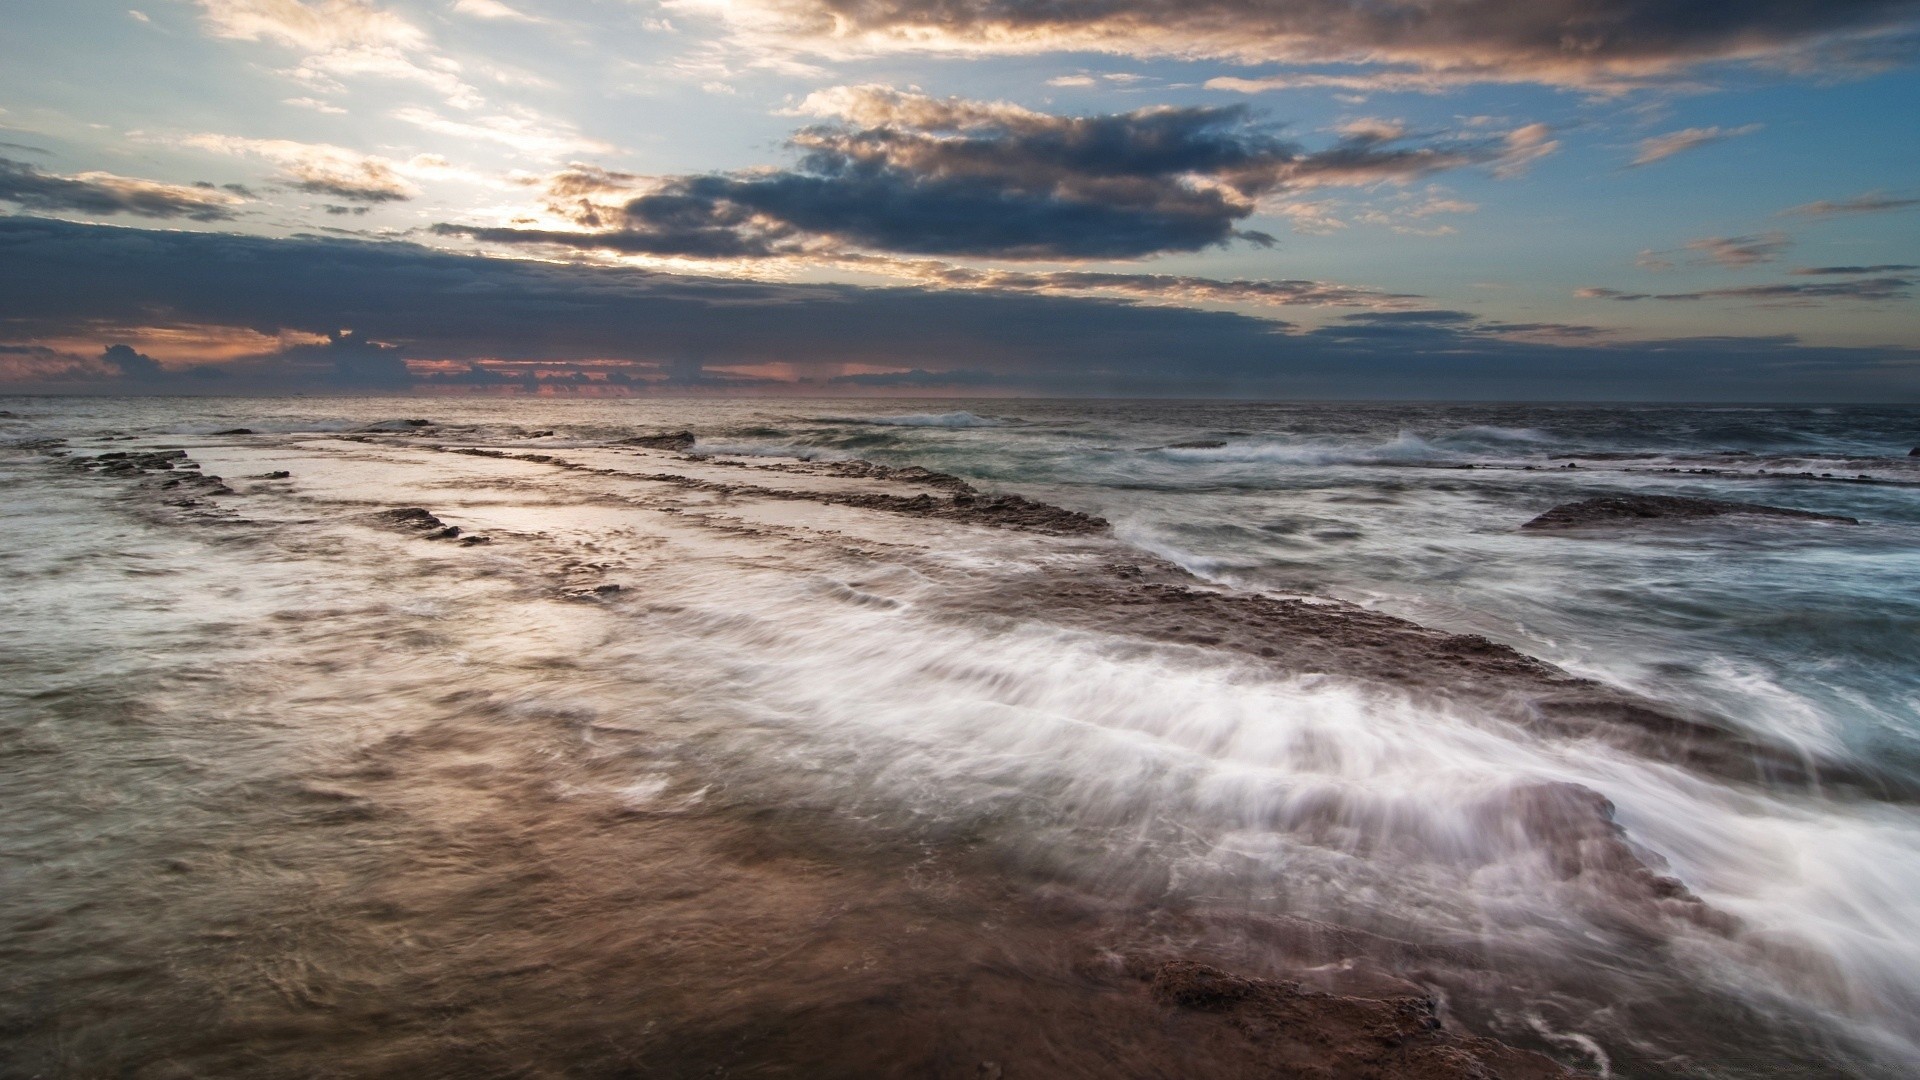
277	474
411	424
1637	509
236	431
671	440
1197	444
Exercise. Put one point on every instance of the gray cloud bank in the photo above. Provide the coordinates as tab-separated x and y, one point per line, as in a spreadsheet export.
403	302
1559	42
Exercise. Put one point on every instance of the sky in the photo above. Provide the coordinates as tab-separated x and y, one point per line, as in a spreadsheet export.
1279	199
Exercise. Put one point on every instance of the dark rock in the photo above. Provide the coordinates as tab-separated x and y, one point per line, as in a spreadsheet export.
609	589
394	425
672	440
1197	986
410	518
1915	452
1638	509
1309	1033
470	541
447	533
5	415
1197	444
1573	828
277	474
236	431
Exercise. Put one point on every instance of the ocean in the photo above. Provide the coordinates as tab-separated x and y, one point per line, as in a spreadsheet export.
693	778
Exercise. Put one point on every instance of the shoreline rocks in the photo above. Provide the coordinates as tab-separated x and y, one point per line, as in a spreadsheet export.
1612	510
671	440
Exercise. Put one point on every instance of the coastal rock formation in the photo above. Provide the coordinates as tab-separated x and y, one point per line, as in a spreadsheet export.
1308	1033
1163	602
1573	830
1609	510
671	440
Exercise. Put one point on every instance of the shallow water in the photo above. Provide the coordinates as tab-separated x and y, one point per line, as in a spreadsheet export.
290	796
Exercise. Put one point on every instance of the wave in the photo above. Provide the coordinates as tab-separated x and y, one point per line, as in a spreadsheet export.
1406	448
936	420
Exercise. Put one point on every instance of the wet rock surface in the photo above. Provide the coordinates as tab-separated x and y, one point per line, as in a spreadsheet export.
671	440
1614	510
1163	602
887	995
1308	1033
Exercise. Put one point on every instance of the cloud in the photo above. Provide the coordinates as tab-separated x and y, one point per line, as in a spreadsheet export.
1662	147
493	10
1883	268
902	172
341	39
422	309
1738	251
131	364
525	132
1873	202
317	26
1786	295
1176	288
320	169
1601	44
105	193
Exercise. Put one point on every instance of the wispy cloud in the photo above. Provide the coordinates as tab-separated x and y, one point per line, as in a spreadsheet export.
1179	288
1784	295
1662	147
105	193
319	168
342	39
520	130
494	10
1738	251
1873	202
1883	268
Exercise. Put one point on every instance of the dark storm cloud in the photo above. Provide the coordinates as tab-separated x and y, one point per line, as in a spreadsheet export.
104	193
1561	42
910	174
405	302
131	364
